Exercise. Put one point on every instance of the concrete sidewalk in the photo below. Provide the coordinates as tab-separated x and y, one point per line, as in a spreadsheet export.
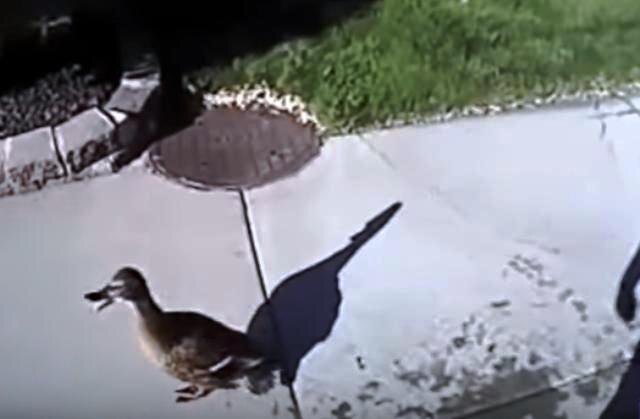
491	285
59	358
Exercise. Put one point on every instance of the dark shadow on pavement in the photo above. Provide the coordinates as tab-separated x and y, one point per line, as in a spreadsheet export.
625	404
302	310
201	36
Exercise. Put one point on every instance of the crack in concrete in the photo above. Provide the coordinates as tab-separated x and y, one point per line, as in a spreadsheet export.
562	384
434	191
246	214
632	109
58	151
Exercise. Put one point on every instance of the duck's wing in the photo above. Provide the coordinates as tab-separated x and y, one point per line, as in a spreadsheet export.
209	345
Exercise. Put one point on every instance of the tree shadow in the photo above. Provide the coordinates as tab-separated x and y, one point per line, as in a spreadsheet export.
197	34
625	403
302	310
626	298
183	36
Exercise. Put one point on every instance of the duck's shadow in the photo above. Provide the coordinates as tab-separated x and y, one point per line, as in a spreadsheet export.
302	310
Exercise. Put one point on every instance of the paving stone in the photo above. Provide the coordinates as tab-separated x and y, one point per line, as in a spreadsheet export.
31	161
86	139
127	127
135	96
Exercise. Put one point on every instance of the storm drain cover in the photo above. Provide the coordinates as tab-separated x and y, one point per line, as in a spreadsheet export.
230	147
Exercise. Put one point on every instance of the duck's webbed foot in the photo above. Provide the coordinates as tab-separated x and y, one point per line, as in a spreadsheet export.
190	389
183	399
204	392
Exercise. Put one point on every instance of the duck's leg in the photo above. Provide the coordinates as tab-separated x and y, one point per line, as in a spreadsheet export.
184	399
204	392
190	389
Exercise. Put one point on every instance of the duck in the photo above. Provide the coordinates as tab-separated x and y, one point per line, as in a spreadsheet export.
189	346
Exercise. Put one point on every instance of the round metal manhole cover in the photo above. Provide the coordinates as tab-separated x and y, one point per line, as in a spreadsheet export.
229	147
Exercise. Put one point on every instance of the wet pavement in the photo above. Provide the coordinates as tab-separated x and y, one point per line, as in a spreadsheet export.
461	270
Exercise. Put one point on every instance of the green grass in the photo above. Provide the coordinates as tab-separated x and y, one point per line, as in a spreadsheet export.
418	57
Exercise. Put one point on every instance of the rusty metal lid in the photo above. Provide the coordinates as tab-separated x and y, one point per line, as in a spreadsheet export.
228	147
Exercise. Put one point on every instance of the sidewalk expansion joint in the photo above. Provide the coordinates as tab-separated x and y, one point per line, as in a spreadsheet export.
246	213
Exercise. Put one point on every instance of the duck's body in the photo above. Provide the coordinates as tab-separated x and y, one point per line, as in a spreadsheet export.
187	338
189	346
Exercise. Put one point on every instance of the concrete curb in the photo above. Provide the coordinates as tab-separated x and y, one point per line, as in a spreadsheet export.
80	148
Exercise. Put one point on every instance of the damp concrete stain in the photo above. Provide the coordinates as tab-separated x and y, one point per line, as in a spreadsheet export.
439	373
372	385
532	269
342	411
581	307
547	283
364	397
534	358
414	412
539	304
578	357
614	373
506	364
275	409
459	342
385	400
240	254
597	340
500	304
502	389
565	295
545	248
466	325
481	333
588	391
413	378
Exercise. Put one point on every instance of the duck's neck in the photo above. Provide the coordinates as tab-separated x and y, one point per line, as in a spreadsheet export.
147	308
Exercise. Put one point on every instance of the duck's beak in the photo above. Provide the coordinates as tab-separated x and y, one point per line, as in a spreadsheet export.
101	298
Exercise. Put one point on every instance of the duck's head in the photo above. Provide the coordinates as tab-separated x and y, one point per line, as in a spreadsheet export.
127	284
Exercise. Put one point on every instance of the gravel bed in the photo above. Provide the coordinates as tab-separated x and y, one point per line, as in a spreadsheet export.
51	99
